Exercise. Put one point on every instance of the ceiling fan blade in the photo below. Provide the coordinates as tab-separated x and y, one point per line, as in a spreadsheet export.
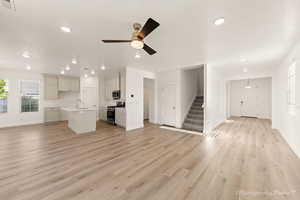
115	41
149	50
149	26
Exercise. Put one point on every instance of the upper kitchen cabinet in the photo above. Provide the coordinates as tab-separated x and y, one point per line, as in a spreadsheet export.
74	84
123	87
114	83
55	84
51	87
111	84
66	83
63	83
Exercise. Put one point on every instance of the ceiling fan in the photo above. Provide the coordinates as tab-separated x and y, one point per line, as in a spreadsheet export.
138	36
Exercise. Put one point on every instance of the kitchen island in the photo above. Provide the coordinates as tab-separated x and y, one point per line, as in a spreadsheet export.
81	120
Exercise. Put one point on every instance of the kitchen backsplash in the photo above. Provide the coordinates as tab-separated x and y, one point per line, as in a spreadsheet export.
66	99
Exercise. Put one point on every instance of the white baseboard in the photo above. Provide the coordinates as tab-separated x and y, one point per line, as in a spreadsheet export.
182	130
22	124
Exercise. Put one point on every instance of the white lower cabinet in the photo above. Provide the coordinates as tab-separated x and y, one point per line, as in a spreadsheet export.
52	114
120	117
103	113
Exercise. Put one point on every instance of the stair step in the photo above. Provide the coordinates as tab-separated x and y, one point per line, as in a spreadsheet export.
196	107
192	127
198	100
194	121
197	104
195	116
196	112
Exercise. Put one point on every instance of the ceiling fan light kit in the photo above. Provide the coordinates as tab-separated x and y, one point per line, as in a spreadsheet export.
138	36
137	44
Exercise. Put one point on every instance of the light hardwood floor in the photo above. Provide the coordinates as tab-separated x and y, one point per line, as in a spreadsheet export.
248	160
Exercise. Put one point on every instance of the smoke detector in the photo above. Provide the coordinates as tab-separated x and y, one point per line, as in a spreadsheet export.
10	4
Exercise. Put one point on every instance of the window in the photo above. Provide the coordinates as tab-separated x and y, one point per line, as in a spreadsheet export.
292	84
3	95
30	95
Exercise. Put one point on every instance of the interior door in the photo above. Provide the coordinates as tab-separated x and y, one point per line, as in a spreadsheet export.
168	106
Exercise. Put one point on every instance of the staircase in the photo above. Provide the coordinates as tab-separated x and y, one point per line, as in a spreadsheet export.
194	119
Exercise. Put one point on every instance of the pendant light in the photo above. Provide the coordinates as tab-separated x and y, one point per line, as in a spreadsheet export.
248	86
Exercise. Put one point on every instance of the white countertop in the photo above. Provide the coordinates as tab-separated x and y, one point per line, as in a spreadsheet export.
73	109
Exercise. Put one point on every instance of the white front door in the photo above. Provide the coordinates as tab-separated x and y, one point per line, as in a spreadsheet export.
168	106
251	102
248	102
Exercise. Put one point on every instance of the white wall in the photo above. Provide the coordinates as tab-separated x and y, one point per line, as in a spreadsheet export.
254	71
135	97
215	98
14	117
261	90
189	80
200	81
288	124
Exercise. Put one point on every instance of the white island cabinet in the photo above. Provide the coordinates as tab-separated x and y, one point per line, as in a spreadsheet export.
81	120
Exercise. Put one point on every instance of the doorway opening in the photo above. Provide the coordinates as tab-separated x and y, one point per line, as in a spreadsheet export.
149	100
192	99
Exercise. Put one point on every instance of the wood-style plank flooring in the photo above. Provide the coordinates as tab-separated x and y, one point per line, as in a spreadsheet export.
247	160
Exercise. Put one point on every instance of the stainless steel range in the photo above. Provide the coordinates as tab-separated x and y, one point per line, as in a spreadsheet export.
111	114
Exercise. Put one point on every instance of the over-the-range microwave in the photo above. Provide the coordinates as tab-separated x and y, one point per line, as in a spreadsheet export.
116	94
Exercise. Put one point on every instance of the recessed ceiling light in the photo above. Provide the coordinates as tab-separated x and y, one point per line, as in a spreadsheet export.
137	55
248	86
74	61
65	29
85	76
93	72
245	70
68	68
219	21
26	54
243	60
28	67
62	72
103	67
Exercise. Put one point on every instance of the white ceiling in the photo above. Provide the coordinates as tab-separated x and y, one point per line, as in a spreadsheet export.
259	30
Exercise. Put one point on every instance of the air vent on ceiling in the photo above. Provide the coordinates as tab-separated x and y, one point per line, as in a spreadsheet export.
10	4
